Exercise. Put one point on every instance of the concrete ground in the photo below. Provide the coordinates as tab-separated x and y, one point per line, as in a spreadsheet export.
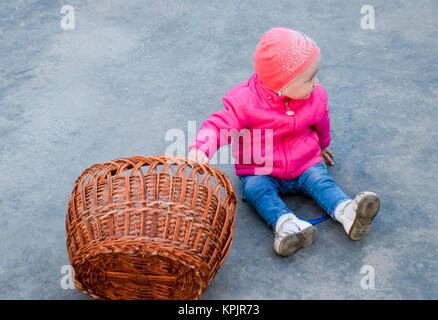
132	71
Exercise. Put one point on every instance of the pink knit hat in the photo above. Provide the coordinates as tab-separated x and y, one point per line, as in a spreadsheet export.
281	55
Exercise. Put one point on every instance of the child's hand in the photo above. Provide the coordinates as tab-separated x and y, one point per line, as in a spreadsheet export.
198	155
326	154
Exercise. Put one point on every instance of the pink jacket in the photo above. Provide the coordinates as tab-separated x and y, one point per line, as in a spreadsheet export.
273	135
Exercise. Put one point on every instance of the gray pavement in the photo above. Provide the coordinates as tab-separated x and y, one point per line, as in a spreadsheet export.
131	71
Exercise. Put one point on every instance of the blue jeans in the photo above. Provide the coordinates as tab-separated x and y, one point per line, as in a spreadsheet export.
263	192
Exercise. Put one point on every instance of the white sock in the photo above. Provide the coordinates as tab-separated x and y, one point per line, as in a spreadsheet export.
338	209
289	225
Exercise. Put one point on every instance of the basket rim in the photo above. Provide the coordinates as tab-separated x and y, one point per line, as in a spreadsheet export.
136	162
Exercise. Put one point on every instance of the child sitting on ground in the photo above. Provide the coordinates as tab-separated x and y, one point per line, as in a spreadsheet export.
284	102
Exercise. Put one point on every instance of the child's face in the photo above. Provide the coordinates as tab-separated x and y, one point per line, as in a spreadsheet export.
302	86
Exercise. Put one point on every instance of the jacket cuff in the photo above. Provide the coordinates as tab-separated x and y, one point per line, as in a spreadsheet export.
324	143
203	147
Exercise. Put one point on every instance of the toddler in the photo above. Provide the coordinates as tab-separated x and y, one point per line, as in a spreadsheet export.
283	102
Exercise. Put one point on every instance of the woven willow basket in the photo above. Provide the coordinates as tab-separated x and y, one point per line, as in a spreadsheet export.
155	227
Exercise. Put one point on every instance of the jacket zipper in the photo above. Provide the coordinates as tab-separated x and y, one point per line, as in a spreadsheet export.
285	157
286	105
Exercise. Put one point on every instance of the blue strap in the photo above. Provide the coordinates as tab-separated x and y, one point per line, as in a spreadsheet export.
318	220
313	221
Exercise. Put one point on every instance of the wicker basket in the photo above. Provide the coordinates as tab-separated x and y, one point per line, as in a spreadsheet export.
137	232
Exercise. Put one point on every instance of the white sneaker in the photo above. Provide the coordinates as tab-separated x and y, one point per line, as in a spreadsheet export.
357	215
292	234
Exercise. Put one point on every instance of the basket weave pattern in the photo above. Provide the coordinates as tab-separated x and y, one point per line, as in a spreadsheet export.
137	232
